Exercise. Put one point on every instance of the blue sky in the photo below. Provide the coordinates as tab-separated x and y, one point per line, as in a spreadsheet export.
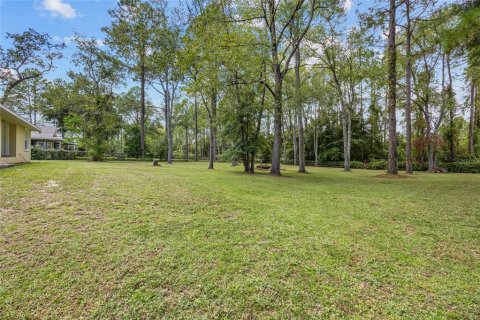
59	18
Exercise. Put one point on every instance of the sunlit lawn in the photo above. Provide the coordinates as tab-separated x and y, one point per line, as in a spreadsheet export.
129	240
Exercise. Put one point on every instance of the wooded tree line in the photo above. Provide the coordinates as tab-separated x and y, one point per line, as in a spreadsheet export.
288	81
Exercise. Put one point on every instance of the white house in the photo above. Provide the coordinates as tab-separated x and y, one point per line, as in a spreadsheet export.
15	137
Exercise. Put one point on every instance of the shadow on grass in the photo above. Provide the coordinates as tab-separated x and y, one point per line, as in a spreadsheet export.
260	173
392	176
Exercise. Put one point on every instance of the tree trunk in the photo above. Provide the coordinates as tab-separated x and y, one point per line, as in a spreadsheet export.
168	123
267	124
277	96
142	110
429	137
315	138
246	163
294	137
284	146
186	143
451	109
392	93
346	134
299	107
431	154
252	163
196	129
213	142
277	122
471	126
408	93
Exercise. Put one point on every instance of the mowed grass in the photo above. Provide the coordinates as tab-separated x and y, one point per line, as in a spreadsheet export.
128	240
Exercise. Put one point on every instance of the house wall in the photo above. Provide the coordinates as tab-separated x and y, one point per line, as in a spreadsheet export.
20	154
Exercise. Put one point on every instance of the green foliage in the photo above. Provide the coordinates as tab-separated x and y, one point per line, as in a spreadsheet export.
264	152
99	74
465	33
132	141
42	154
377	165
232	154
29	56
358	165
462	167
132	33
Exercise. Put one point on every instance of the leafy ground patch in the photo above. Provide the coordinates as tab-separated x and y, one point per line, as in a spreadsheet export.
128	240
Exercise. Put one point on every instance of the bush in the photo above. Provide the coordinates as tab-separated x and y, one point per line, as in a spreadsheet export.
41	154
462	167
377	165
467	158
417	166
358	165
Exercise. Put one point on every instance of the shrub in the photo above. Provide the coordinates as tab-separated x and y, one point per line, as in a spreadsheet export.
358	165
420	166
467	158
417	166
41	154
377	165
462	167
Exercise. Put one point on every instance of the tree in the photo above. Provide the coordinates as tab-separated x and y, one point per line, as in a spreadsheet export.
202	56
341	55
61	104
98	75
128	107
299	100
464	36
392	90
430	99
27	98
31	55
132	36
277	19
408	90
166	74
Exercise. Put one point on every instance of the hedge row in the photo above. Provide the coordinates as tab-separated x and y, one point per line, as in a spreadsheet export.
457	167
383	164
462	167
40	154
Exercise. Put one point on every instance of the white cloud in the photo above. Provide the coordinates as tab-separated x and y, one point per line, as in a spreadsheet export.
58	8
68	39
347	5
100	43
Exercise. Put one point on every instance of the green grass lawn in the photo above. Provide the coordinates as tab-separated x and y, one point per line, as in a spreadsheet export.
128	240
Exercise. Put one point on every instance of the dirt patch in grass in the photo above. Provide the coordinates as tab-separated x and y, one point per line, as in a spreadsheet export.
52	184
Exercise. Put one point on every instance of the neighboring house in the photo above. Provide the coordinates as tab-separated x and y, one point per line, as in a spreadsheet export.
47	138
50	138
15	137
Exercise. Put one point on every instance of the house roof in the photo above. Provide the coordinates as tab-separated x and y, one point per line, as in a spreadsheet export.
11	116
47	134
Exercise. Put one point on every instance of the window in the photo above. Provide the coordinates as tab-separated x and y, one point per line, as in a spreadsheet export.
27	140
5	139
